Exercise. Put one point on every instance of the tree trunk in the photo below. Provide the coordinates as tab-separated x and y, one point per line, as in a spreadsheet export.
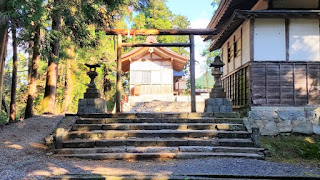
30	60
69	83
49	99
12	117
32	89
3	52
4	104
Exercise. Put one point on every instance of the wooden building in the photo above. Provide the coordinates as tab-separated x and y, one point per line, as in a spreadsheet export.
152	71
271	51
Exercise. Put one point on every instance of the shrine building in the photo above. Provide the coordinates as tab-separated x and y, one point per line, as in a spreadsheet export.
155	72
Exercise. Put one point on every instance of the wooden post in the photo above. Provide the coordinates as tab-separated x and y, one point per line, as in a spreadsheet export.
119	70
192	74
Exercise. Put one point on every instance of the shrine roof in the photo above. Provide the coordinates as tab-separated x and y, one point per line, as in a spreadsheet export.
165	54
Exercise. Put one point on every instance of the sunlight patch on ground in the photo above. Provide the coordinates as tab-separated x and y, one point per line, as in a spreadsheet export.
310	140
114	173
52	170
109	171
38	146
40	173
14	146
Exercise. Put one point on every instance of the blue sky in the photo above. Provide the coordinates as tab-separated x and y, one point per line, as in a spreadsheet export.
193	9
199	13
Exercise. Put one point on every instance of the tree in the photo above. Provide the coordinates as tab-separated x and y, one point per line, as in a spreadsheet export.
33	25
32	89
13	14
52	73
4	21
3	51
12	117
70	19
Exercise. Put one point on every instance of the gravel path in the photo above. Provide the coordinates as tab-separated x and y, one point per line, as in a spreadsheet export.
23	156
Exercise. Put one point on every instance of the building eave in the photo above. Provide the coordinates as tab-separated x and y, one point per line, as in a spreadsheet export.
225	11
239	16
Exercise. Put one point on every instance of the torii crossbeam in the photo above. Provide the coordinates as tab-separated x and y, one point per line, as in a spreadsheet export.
145	32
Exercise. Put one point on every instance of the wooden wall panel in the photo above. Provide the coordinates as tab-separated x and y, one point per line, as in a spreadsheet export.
258	84
313	84
300	84
287	85
273	83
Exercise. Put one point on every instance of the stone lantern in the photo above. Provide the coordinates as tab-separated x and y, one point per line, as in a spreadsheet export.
92	103
92	91
217	103
217	91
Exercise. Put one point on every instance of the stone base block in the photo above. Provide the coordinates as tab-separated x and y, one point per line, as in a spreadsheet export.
92	106
217	105
275	120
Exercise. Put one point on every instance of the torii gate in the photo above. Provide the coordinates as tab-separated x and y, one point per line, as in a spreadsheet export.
147	32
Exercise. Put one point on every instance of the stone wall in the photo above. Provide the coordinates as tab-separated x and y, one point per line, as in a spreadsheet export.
284	120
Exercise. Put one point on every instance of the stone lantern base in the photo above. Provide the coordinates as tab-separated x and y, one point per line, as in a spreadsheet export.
92	106
217	105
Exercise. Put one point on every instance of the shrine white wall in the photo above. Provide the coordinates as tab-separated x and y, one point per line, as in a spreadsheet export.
269	40
304	42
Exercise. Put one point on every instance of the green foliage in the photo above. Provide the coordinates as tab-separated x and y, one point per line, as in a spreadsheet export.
209	55
3	118
156	15
293	149
201	82
215	3
81	21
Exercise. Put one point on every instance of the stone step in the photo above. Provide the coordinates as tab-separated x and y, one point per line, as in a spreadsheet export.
152	115
159	126
163	115
140	142
160	156
101	134
157	149
235	142
158	120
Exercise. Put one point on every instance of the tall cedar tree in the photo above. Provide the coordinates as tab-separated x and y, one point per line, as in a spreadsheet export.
3	46
52	73
12	117
32	89
32	25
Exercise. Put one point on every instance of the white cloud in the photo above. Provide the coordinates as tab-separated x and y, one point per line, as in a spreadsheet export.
200	23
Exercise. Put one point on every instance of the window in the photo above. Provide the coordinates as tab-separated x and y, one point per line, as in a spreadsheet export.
140	77
230	53
237	48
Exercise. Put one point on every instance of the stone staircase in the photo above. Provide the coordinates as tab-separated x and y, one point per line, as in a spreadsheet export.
158	136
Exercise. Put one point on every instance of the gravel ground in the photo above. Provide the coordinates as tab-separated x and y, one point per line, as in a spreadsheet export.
23	156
